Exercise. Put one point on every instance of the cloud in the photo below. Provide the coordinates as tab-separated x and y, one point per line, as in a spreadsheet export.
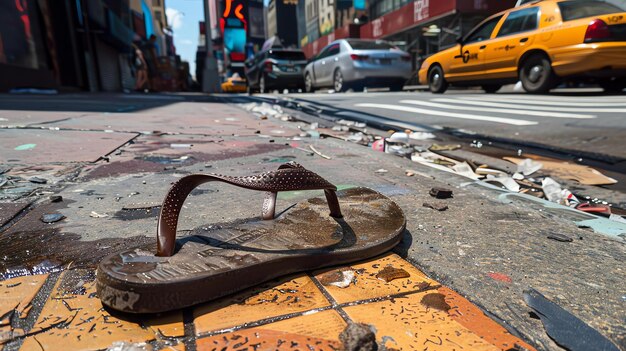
186	42
174	18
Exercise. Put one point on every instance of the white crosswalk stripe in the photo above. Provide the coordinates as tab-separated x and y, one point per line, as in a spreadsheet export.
510	121
535	101
497	110
468	101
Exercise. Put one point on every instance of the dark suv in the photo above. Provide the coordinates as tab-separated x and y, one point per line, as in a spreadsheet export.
276	69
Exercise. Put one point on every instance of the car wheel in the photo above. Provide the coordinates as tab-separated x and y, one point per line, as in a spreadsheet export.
436	80
491	88
308	83
537	75
262	86
338	83
613	86
396	87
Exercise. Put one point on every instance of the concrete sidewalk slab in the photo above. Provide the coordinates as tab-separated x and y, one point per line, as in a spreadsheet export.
179	118
20	118
33	146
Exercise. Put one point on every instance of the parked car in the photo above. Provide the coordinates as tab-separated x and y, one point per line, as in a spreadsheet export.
275	69
539	44
357	63
234	84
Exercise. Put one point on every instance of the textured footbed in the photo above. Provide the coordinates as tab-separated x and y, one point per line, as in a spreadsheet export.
231	257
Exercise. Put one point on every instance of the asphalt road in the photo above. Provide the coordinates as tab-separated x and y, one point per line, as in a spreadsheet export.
581	120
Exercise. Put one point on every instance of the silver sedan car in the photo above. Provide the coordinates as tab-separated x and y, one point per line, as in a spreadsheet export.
358	63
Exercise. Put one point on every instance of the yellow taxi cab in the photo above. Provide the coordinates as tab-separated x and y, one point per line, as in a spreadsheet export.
539	44
234	84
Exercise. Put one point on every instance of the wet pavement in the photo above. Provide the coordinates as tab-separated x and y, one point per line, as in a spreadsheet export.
455	282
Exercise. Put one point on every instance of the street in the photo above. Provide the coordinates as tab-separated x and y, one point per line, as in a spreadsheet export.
589	122
83	176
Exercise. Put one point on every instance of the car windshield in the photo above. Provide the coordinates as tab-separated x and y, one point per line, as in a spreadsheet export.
571	10
370	45
288	55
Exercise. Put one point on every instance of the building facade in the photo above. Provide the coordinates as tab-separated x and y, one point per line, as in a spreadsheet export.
282	21
75	45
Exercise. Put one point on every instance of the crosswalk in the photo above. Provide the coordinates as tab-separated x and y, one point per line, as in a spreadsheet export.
517	110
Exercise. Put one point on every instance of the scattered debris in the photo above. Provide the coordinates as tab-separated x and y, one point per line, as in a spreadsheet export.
38	180
358	337
390	273
465	170
52	217
441	193
379	145
318	153
421	136
181	146
560	237
500	277
380	171
551	189
563	327
594	208
517	176
341	278
582	174
617	218
129	346
528	167
439	206
506	181
25	147
446	147
477	144
95	214
482	170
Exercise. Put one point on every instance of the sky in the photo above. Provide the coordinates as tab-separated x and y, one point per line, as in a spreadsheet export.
183	17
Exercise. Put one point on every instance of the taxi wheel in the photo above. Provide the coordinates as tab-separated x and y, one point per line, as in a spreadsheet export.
491	88
613	86
537	75
436	81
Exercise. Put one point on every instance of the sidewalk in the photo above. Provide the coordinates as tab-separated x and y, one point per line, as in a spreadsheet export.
113	169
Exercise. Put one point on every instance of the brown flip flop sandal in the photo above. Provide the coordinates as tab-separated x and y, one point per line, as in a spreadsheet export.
235	256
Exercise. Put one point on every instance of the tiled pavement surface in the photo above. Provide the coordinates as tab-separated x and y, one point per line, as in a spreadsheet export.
487	249
303	312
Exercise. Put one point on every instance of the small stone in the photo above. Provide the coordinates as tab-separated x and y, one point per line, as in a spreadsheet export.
560	237
95	214
441	193
358	337
52	217
56	198
38	180
439	206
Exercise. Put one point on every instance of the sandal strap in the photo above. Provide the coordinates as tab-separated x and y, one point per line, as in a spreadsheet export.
289	176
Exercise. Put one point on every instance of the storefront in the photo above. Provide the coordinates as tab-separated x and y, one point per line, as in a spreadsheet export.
24	46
